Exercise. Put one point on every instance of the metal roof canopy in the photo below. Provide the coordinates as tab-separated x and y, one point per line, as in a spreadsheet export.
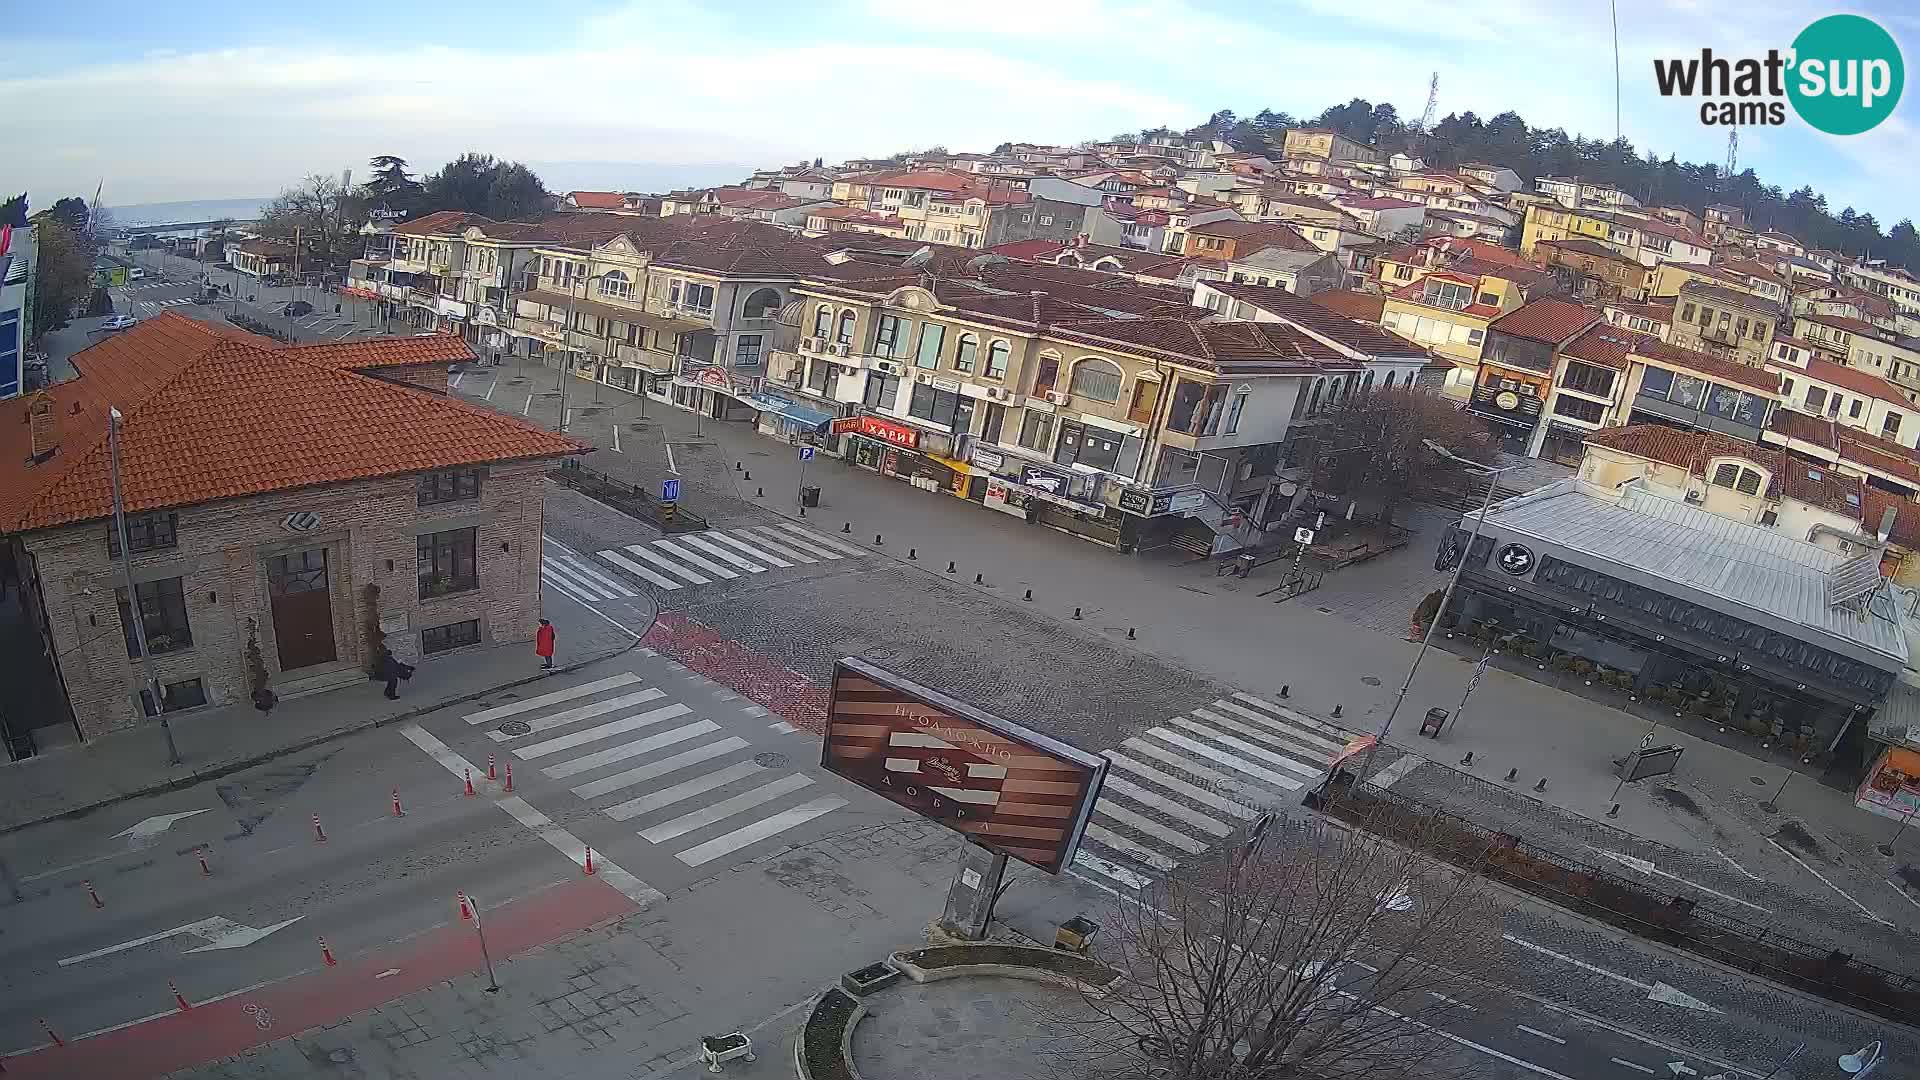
1741	570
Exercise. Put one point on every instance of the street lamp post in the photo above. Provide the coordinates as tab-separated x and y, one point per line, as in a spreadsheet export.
134	615
1426	641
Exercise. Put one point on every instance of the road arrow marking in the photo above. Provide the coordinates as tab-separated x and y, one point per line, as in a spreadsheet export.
219	932
143	832
387	974
1656	991
1679	1068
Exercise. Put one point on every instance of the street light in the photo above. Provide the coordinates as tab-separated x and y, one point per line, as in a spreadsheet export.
1426	641
134	614
1864	1060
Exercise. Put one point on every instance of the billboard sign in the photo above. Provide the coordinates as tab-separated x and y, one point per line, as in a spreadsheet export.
1012	790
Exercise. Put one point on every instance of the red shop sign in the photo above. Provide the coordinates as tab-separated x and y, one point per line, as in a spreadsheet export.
897	434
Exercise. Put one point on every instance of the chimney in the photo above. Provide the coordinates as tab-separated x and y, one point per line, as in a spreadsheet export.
1886	523
42	426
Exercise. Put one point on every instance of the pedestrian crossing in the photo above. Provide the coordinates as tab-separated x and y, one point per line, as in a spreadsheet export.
1174	791
152	307
680	780
703	558
151	285
576	577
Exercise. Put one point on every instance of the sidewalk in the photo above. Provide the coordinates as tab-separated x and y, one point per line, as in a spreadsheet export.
217	742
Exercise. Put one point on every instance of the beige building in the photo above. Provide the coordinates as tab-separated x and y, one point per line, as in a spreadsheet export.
1725	322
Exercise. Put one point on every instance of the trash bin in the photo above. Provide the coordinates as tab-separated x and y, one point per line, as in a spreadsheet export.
1435	719
810	496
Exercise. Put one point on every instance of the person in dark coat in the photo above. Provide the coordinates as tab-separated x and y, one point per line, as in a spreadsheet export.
390	669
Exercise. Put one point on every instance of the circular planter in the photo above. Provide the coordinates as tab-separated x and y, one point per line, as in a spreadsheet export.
1007	961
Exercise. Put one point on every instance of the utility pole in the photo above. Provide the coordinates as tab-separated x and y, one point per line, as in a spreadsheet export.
134	614
473	904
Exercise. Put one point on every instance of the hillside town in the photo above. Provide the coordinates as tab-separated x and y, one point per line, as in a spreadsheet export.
1646	471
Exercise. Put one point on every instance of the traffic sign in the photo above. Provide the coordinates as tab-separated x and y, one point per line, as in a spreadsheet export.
1303	536
806	453
670	490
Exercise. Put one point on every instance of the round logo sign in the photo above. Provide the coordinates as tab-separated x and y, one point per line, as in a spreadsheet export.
1515	559
1507	399
1847	74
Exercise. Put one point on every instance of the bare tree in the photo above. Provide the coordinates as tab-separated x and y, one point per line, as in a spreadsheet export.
323	214
1313	951
1376	446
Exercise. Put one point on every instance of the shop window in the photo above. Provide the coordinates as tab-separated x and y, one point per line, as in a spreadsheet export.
439	639
174	696
882	390
163	617
447	563
449	485
146	532
935	406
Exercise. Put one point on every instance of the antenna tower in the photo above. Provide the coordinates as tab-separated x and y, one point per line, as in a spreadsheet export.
1433	102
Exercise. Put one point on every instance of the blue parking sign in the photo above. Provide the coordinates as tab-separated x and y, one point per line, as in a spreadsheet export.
806	453
670	490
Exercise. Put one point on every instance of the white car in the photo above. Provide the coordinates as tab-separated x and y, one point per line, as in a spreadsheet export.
118	322
134	273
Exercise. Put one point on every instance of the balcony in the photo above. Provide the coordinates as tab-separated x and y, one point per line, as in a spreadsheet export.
1519	408
1695	418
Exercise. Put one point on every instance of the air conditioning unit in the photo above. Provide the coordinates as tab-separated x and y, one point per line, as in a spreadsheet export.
993	393
1057	397
793	377
810	344
1694	496
922	377
841	348
889	367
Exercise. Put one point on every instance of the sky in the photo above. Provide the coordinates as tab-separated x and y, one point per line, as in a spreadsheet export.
205	99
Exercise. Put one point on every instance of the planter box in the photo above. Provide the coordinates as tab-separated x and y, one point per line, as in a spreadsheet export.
1007	961
869	979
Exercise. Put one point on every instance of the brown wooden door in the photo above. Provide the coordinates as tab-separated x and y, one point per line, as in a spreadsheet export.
302	608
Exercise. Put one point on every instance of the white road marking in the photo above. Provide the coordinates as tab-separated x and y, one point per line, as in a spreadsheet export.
667	796
665	765
1462	1040
453	382
587	712
1087	860
1249	749
819	539
1117	842
501	712
1631	1065
146	829
219	932
528	407
1174	783
1864	910
667	564
1751	876
1902	892
765	545
491	387
602	731
542	826
1291	744
715	813
1292	729
671	467
1142	824
781	727
1656	991
792	547
759	830
638	571
1646	866
742	545
718	552
678	552
1537	1033
616	449
581	568
1396	772
1121	786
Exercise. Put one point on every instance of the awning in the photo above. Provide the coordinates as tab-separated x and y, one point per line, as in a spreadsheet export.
812	420
960	467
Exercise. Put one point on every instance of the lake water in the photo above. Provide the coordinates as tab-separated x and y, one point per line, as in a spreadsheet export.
193	210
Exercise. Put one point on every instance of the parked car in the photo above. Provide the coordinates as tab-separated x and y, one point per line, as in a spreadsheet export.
134	273
298	309
118	322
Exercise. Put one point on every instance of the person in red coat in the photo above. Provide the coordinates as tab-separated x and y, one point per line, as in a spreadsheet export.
543	643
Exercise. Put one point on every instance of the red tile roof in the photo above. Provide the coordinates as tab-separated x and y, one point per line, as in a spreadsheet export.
1682	448
440	222
1580	245
1842	322
1210	345
1378	202
1864	383
212	413
596	200
1727	371
1550	321
1352	303
1796	425
1605	345
1254	233
1029	249
1352	333
1872	451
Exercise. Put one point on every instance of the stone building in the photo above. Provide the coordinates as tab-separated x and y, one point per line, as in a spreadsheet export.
287	507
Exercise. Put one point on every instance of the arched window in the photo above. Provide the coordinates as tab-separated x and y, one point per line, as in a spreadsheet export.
1313	406
822	321
845	336
616	284
964	353
997	360
763	304
1096	378
1388	385
1366	386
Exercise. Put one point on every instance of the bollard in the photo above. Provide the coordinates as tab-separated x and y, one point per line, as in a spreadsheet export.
397	812
803	511
736	466
877	541
1468	760
466	913
847	528
1130	636
205	870
913	553
1076	614
1029	595
319	835
1613	811
761	493
1336	710
97	902
52	1034
589	866
326	953
509	786
493	773
979	579
1511	773
179	999
950	567
1542	785
746	476
469	790
1286	689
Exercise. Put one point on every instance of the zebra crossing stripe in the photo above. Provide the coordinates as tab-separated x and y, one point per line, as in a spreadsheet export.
1087	860
603	731
1120	843
667	564
699	785
1245	747
1140	823
552	568
1120	785
763	543
818	539
580	568
572	592
715	813
759	830
790	546
723	554
501	712
1293	730
656	768
1196	746
673	548
741	545
637	570
586	712
1264	735
1174	783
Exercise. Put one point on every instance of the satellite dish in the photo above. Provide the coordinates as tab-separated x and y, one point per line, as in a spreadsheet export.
981	262
919	258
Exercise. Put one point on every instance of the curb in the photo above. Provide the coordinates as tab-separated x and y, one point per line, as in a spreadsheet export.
228	768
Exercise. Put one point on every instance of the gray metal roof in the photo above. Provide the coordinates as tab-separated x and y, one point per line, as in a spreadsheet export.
1724	563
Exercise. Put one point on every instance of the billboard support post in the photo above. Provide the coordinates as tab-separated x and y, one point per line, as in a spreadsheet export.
976	884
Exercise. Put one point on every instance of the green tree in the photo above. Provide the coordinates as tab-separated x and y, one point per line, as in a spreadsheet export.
476	183
391	187
63	272
74	213
515	193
